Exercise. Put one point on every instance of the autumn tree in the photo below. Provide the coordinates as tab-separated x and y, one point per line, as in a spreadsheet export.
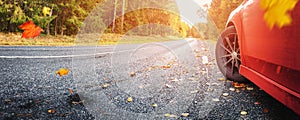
220	10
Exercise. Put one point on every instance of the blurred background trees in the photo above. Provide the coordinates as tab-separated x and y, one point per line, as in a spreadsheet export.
66	17
220	10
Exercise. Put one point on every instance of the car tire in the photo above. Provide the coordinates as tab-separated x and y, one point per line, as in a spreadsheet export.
228	55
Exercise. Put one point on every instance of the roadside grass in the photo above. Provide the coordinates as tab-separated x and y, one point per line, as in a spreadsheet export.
14	39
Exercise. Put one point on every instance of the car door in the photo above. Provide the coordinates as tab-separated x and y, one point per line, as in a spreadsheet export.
272	50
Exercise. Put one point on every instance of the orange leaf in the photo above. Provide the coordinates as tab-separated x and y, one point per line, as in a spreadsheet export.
266	110
71	91
62	72
238	85
30	30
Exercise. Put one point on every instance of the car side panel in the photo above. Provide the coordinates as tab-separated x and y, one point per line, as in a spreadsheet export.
264	48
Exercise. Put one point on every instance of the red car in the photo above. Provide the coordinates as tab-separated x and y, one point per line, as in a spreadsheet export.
261	44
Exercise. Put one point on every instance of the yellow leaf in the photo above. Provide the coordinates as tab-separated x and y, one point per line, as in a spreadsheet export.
46	11
51	111
129	99
154	105
244	113
276	12
62	72
185	114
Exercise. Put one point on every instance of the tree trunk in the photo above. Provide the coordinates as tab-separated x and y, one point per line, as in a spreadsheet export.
48	26
123	7
115	14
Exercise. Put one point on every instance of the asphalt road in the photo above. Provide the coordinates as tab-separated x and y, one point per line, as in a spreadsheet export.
163	80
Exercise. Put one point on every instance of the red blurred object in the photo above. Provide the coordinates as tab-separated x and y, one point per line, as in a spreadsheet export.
249	50
30	30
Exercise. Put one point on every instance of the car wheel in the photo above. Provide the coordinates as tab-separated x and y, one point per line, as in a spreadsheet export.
228	55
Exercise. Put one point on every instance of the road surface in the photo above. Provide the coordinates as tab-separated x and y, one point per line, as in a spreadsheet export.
136	81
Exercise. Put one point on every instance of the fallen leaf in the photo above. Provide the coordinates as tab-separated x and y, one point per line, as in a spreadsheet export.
225	94
175	80
131	74
71	91
76	103
51	111
170	115
221	79
191	78
129	99
215	99
154	105
256	103
185	114
168	86
62	72
105	85
249	88
232	89
244	113
238	85
30	30
166	66
204	60
195	91
266	110
7	100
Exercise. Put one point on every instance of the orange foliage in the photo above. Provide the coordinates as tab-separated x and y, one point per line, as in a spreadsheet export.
30	30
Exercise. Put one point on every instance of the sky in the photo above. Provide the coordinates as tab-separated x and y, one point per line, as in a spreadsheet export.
188	10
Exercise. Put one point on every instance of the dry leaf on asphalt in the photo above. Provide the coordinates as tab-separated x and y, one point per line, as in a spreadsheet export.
170	115
238	85
154	105
195	91
221	79
225	94
266	110
185	114
62	71
71	91
249	88
51	111
129	99
131	74
215	99
168	86
244	113
256	103
105	85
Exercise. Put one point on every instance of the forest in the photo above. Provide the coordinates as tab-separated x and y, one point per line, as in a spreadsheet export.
68	17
